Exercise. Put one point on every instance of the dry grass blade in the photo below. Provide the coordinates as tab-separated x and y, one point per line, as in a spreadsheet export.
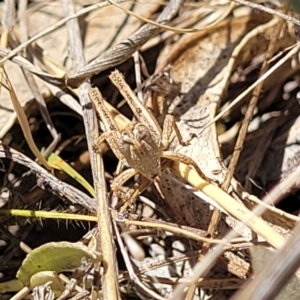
125	49
24	63
171	228
291	53
174	29
23	122
110	286
250	110
231	206
33	84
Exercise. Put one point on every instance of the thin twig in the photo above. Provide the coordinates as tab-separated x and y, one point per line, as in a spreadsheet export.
110	287
251	107
294	50
268	10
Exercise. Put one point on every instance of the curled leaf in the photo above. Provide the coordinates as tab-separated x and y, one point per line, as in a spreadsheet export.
50	278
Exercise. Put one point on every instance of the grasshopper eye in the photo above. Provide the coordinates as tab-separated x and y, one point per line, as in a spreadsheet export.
124	143
126	139
142	133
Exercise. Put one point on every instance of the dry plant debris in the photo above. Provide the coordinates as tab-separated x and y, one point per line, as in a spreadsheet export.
195	172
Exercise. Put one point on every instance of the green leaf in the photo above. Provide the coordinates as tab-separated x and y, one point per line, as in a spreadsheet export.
60	256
